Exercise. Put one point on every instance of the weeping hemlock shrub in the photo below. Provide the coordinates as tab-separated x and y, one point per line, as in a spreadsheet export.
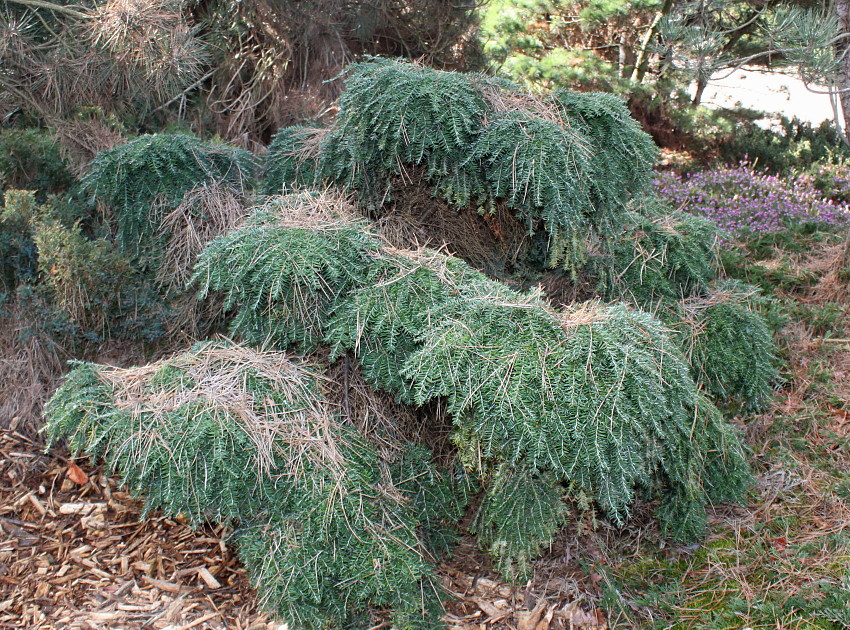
246	438
597	399
564	165
668	265
141	181
729	345
661	259
288	164
285	270
589	405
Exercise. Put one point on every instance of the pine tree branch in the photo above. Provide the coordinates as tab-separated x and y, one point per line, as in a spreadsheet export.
57	8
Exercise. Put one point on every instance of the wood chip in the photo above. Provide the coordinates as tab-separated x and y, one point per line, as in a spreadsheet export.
198	621
163	585
76	474
81	508
208	578
38	505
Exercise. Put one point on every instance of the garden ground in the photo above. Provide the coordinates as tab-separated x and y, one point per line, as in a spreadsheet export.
76	553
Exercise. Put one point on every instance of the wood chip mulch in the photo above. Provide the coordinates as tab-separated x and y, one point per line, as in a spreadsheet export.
75	553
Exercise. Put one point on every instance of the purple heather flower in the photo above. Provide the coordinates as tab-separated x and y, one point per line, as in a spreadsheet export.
745	202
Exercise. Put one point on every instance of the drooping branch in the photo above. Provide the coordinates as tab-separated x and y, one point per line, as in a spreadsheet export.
58	8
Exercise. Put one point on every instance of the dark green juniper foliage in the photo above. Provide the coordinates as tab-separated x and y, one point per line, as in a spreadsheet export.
139	182
30	159
597	399
382	320
568	167
289	165
152	423
727	474
439	497
479	140
18	253
229	434
660	259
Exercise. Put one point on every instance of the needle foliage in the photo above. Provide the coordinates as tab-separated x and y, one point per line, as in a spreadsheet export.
225	433
141	181
590	404
591	401
565	165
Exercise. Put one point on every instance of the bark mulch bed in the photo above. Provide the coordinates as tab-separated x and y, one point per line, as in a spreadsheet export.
75	552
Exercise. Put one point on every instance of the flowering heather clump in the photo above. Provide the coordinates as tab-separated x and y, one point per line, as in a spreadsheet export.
744	202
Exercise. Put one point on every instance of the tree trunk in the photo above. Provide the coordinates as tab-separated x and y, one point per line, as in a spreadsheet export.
702	83
842	51
642	62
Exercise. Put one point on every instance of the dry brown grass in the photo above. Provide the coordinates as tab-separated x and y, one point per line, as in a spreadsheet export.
81	139
561	290
833	265
583	314
491	242
30	367
502	101
309	143
191	319
387	424
32	361
204	213
154	39
327	209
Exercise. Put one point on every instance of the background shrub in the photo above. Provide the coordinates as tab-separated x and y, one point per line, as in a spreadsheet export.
30	160
141	181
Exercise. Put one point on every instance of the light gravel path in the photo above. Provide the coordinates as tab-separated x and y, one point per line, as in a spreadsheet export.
772	92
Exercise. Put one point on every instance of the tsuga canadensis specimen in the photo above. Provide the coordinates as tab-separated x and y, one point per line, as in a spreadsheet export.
553	409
